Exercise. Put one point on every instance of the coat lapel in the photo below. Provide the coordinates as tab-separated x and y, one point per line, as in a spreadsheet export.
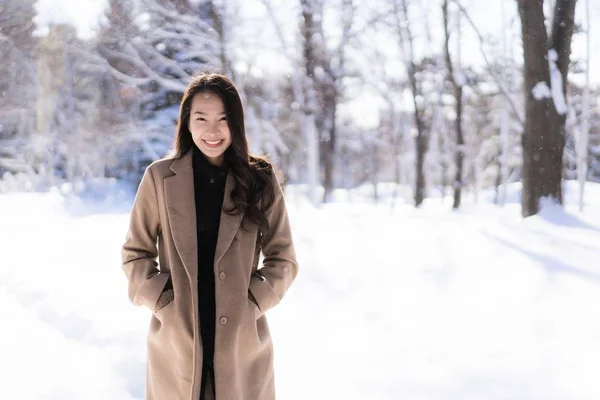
229	224
181	208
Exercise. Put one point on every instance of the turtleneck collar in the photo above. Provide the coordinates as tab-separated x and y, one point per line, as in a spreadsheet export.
202	165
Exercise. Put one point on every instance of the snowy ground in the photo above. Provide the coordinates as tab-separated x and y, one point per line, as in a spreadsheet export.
422	304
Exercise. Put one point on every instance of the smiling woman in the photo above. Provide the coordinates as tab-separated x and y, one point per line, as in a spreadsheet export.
212	208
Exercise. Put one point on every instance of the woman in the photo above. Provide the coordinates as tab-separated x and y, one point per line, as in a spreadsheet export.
206	211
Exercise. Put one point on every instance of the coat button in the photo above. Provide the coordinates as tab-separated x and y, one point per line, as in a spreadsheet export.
212	180
223	320
222	275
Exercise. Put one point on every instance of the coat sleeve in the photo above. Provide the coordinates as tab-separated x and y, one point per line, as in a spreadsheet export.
280	267
138	254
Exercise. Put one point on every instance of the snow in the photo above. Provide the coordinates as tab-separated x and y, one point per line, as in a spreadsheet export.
460	78
541	91
419	304
556	82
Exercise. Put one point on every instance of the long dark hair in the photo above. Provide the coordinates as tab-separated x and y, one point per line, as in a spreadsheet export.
253	191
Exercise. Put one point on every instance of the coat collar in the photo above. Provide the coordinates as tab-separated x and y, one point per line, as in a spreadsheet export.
181	209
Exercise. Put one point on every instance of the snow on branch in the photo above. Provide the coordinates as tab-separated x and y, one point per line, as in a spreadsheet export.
541	91
167	83
556	83
167	51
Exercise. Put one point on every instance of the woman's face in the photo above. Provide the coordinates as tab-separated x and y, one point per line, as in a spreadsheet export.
209	128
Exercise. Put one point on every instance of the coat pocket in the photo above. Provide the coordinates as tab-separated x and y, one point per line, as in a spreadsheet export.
165	298
254	306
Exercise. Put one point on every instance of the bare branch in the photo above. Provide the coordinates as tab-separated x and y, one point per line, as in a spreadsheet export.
489	66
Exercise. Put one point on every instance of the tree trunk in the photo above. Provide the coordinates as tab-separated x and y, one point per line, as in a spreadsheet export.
543	137
582	145
407	42
310	100
330	85
218	22
420	178
503	167
374	168
328	144
460	143
302	84
498	181
458	91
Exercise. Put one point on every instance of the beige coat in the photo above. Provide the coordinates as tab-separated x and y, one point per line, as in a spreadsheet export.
164	213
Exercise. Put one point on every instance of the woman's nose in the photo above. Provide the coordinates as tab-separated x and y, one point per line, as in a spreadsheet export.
212	128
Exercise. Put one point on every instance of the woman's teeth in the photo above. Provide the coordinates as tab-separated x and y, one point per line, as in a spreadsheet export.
213	143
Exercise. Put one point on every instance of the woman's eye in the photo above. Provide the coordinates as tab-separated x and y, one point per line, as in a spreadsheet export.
223	119
200	119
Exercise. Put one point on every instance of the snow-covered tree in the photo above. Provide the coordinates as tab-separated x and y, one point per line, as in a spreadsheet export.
18	88
546	57
76	94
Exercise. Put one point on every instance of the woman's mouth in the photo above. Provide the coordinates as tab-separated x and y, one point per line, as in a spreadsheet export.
213	143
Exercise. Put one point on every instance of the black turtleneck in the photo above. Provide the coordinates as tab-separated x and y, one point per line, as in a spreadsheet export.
209	188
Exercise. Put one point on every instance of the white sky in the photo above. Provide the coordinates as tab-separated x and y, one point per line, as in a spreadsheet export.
82	13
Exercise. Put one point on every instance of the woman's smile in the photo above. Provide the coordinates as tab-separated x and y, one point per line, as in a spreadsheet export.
213	143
